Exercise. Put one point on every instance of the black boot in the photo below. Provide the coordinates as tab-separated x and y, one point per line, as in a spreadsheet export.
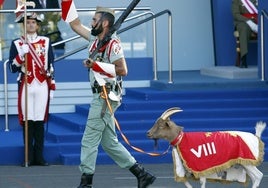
86	181
243	63
144	177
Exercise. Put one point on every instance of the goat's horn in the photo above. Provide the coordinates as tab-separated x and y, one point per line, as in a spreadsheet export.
169	112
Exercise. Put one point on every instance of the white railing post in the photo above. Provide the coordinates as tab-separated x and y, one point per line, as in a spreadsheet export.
6	96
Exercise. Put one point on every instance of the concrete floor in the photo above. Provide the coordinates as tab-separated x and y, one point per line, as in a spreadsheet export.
106	176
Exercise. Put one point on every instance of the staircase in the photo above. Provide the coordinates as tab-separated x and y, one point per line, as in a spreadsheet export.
208	104
206	110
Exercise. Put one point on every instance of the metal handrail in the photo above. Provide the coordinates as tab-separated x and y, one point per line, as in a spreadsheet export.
169	38
78	9
263	14
86	46
6	96
154	39
170	64
76	37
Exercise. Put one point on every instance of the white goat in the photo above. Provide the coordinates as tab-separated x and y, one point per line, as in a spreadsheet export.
202	155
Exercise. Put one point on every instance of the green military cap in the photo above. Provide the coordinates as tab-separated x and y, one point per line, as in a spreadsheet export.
104	9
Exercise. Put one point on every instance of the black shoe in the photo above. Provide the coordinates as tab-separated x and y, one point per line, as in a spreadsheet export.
27	165
86	181
144	178
42	163
84	186
243	63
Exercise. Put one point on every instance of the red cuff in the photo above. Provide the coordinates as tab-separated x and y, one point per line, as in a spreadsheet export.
19	59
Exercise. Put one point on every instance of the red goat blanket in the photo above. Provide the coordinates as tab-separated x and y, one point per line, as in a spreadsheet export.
207	152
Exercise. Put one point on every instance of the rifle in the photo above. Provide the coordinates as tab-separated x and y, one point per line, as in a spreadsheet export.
115	27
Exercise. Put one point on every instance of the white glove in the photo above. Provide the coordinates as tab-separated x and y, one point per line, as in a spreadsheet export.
51	94
24	49
253	26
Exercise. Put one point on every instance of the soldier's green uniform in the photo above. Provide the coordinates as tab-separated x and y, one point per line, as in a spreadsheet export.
100	127
238	11
106	69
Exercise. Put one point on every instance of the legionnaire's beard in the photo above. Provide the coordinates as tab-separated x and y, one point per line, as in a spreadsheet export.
95	31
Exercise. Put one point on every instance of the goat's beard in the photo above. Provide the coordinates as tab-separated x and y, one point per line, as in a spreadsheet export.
155	143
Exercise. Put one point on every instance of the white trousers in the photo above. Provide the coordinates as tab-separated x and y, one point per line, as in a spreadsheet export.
37	100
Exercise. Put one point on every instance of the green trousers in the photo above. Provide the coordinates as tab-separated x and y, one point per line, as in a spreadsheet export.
101	130
244	37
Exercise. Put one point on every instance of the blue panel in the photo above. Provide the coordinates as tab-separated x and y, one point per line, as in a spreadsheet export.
74	71
224	40
139	69
70	70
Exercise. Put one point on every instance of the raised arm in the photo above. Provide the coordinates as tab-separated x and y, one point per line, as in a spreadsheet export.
70	15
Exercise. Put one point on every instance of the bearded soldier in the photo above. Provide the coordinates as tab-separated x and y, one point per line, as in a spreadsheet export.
105	69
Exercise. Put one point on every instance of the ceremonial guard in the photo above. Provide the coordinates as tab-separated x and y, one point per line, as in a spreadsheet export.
245	14
35	51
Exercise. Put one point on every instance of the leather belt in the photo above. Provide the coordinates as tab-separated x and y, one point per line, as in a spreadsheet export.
98	89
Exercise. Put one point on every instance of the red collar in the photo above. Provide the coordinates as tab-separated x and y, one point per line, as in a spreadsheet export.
177	139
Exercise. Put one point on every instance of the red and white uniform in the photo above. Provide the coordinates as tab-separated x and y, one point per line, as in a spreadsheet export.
38	87
104	70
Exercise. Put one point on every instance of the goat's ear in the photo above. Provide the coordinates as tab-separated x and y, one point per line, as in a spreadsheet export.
168	123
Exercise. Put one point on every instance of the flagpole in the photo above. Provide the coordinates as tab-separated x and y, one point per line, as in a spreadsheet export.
26	91
23	4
